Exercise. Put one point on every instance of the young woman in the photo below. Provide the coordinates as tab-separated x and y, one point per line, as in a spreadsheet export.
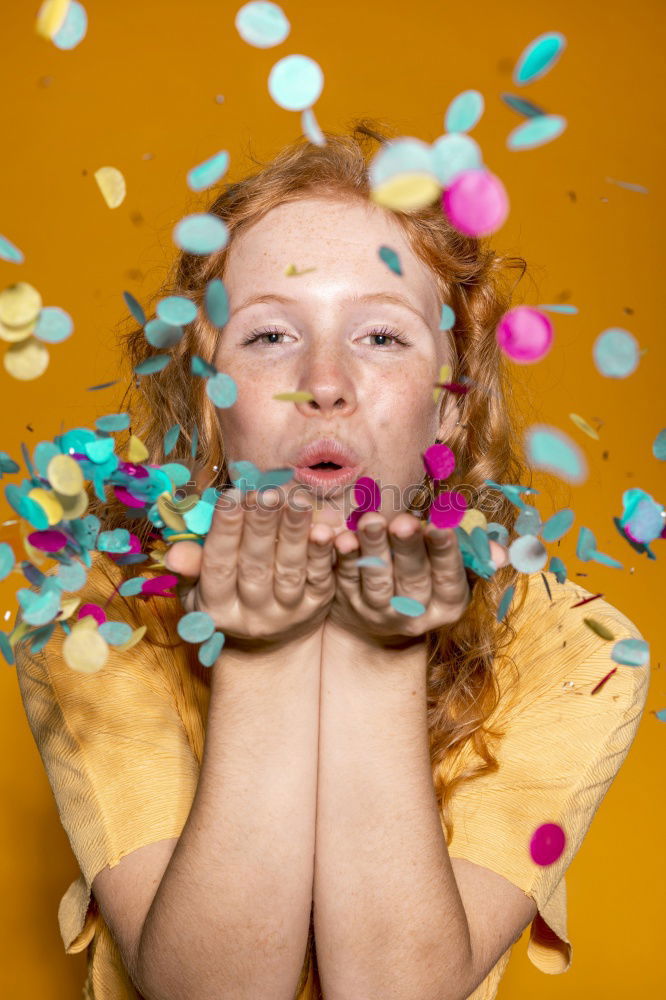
344	804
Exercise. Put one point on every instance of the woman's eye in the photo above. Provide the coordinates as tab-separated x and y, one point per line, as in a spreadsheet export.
260	334
385	333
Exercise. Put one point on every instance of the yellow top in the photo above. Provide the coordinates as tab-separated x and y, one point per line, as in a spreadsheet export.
123	748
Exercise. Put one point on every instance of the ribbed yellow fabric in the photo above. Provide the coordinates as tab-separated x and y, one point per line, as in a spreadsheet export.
122	749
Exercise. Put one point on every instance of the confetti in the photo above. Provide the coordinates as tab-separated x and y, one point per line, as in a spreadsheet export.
528	554
176	310
64	474
295	82
599	628
447	509
407	606
298	396
615	353
659	446
631	652
53	325
158	333
560	308
84	649
20	304
222	390
205	174
112	185
73	29
51	17
402	175
390	258
446	322
464	111
628	185
157	363
505	603
216	302
547	844
551	449
522	106
558	525
201	234
26	360
262	24
476	203
7	560
311	128
539	57
209	651
113	422
525	334
584	426
536	132
170	439
135	308
439	461
197	626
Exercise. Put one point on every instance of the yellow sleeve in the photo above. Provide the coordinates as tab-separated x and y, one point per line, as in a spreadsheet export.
561	749
116	753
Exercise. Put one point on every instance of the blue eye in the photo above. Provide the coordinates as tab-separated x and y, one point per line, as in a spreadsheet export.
258	335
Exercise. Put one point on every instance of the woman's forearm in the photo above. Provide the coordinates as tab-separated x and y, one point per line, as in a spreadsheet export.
388	918
231	915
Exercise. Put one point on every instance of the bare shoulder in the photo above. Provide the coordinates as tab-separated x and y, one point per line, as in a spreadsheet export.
125	894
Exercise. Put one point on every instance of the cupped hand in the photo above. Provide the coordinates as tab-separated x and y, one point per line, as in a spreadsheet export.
427	565
261	575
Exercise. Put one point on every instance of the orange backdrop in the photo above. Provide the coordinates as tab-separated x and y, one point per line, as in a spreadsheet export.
158	86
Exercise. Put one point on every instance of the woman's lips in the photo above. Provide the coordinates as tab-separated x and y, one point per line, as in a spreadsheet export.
324	480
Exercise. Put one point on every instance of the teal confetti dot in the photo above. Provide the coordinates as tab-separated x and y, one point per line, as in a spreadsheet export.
130	588
464	111
504	603
7	464
452	154
528	521
557	567
73	29
201	233
71	576
209	651
200	367
205	174
311	128
196	626
523	107
115	633
400	156
527	554
586	544
222	390
295	82
390	258
155	364
560	307
99	451
448	318
117	541
539	57
5	647
536	132
557	525
113	422
262	24
659	446
178	473
407	606
615	353
216	302
135	308
177	310
7	560
551	449
199	519
33	513
10	252
38	609
171	438
53	325
631	652
158	333
195	442
38	639
497	533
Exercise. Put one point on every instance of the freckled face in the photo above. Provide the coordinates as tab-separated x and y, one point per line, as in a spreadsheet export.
370	391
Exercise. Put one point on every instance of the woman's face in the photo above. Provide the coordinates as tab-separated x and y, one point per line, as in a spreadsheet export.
371	393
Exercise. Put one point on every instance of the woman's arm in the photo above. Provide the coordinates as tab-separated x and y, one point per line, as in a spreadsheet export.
388	916
231	915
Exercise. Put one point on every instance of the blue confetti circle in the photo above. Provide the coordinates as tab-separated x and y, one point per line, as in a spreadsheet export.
295	82
53	325
201	233
262	24
196	626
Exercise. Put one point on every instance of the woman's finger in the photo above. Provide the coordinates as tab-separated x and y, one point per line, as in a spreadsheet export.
449	581
220	551
376	581
185	558
411	565
291	554
257	547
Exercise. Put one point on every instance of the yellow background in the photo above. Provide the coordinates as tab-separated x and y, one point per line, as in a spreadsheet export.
145	81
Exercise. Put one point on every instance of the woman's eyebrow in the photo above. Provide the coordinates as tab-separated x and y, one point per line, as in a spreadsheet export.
392	298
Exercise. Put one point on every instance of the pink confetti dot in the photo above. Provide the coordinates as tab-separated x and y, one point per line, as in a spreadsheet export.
159	584
130	469
49	540
447	509
98	613
128	498
476	202
439	461
547	844
525	334
135	546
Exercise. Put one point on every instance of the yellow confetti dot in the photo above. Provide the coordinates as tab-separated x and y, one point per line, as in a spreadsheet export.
64	475
294	397
15	334
135	637
84	649
169	515
112	185
444	376
407	192
51	17
136	450
20	304
584	426
49	503
19	632
292	269
183	536
473	518
74	506
601	630
68	606
26	360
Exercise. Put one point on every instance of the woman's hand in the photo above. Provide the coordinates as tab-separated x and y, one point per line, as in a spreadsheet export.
427	566
260	575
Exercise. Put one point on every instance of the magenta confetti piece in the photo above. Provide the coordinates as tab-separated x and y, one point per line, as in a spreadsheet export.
95	610
49	540
128	498
476	202
547	844
135	546
525	334
352	521
367	495
130	469
439	461
159	583
448	509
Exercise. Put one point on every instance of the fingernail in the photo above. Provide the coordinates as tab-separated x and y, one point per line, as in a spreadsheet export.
374	530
